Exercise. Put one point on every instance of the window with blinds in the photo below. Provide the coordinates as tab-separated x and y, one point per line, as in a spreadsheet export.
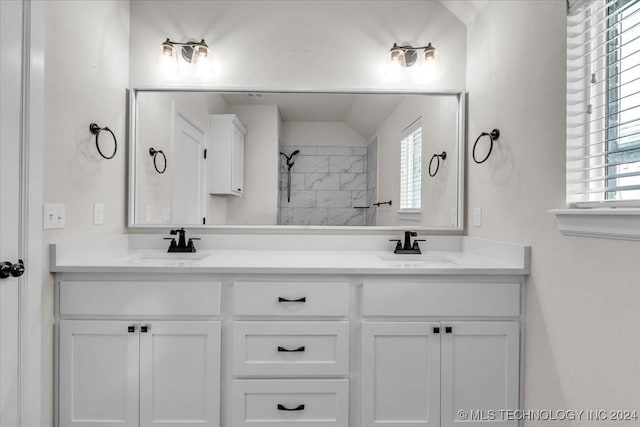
411	167
603	103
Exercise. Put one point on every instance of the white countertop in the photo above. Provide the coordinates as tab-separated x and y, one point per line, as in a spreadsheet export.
452	255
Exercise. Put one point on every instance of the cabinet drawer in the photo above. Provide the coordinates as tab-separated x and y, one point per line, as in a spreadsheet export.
296	403
139	299
441	299
290	348
291	299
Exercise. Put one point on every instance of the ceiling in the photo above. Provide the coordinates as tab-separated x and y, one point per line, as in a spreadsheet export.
362	112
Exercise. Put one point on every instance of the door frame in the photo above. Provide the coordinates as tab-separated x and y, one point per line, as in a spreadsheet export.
31	184
178	112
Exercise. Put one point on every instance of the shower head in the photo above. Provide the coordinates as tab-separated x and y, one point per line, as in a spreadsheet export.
289	158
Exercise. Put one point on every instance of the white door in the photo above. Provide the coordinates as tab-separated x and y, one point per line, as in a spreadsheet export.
99	373
480	372
11	224
400	374
187	187
179	374
237	161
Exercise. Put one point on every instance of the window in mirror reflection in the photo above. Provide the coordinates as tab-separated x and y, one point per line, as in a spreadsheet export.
410	167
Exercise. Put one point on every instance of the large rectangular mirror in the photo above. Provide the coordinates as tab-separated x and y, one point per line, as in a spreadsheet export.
232	158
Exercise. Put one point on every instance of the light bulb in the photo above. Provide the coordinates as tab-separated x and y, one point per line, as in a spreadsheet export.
396	63
430	68
200	51
168	60
397	57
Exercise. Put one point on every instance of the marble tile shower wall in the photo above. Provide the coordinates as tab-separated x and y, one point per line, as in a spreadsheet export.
327	184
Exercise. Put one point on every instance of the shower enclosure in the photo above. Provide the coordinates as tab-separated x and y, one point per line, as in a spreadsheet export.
326	185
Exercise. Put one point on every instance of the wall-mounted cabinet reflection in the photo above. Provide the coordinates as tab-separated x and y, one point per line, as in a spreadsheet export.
305	159
226	142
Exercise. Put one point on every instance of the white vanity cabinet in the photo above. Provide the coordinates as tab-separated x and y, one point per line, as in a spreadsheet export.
133	372
433	372
265	339
226	155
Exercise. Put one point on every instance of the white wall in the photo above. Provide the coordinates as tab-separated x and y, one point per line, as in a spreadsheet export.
320	133
259	201
86	80
583	298
297	44
439	133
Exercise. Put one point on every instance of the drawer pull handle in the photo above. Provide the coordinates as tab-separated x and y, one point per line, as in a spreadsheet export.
448	329
131	329
282	299
286	350
284	408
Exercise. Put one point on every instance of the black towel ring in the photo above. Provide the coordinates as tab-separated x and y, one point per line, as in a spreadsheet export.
95	129
442	156
154	153
493	136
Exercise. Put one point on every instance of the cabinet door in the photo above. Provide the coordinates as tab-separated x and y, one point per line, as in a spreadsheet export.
237	162
179	374
98	373
480	372
400	374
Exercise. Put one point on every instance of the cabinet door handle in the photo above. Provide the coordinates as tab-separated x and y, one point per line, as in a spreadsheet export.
282	299
5	270
284	408
448	329
145	328
286	350
131	329
436	330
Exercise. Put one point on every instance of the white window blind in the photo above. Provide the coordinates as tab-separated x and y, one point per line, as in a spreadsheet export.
411	166
603	102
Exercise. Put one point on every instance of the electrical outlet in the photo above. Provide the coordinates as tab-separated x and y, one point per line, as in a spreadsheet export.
147	214
53	216
477	217
98	214
166	214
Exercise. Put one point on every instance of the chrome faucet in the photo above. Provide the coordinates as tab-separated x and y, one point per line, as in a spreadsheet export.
408	248
182	245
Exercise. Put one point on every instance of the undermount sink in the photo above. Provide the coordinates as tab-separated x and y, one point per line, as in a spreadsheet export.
417	260
165	258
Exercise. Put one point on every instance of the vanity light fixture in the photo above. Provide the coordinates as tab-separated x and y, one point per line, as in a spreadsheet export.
405	56
191	52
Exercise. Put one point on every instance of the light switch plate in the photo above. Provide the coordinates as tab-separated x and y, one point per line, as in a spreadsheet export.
166	214
98	214
147	214
53	216
477	217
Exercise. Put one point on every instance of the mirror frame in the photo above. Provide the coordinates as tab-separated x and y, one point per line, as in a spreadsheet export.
324	229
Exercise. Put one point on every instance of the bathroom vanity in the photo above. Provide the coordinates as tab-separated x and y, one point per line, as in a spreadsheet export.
299	331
